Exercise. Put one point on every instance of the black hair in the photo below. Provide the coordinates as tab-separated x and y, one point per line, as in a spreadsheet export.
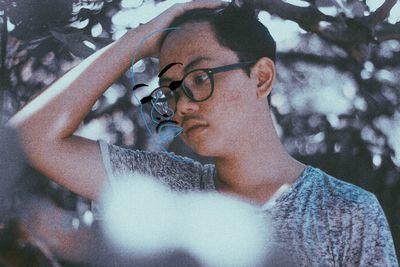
236	28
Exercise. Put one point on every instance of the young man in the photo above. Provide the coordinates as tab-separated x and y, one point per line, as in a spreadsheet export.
318	219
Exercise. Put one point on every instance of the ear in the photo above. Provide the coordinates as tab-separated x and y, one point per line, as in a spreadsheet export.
264	71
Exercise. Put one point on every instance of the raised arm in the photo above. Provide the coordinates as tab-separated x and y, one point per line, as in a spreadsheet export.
48	122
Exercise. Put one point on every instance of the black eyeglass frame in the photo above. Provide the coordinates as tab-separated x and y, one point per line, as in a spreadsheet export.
210	72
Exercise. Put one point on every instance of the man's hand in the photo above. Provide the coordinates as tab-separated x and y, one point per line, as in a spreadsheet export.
162	21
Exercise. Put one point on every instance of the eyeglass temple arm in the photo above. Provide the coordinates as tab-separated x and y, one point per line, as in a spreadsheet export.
230	67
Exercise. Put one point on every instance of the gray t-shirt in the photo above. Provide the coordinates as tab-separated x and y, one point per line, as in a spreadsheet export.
318	220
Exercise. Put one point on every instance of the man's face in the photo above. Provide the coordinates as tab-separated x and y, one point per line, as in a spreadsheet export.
220	123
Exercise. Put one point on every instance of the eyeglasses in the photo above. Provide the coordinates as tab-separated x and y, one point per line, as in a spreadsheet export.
197	85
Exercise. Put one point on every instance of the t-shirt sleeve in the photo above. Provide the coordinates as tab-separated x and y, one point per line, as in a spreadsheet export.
179	173
371	242
176	172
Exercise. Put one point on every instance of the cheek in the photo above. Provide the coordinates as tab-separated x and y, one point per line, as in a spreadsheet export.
231	100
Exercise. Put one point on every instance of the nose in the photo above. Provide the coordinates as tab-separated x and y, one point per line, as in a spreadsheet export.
185	105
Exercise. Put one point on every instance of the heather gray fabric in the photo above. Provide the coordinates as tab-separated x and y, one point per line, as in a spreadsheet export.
318	220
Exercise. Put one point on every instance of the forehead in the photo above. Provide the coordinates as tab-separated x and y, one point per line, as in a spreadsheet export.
191	41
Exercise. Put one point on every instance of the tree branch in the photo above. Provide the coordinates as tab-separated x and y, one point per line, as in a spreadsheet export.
381	13
350	34
307	17
342	64
388	31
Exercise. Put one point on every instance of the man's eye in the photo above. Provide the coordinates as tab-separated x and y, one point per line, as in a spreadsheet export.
200	79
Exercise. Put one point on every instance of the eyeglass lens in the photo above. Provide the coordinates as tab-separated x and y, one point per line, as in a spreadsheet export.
196	85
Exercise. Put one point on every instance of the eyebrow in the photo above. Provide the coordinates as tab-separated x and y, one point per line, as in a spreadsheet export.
189	66
195	62
170	65
164	79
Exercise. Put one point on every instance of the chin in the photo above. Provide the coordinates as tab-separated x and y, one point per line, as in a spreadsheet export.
204	151
205	148
207	144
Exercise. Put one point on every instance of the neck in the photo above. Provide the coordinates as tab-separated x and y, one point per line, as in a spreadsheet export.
258	169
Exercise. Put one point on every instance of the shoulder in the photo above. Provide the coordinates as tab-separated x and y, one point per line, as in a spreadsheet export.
340	193
348	219
347	206
180	173
357	222
156	160
343	204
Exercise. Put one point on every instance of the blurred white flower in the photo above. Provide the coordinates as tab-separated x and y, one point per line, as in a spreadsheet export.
223	231
143	216
139	215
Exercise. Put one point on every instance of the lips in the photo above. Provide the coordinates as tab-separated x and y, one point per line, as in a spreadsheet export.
195	131
192	125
